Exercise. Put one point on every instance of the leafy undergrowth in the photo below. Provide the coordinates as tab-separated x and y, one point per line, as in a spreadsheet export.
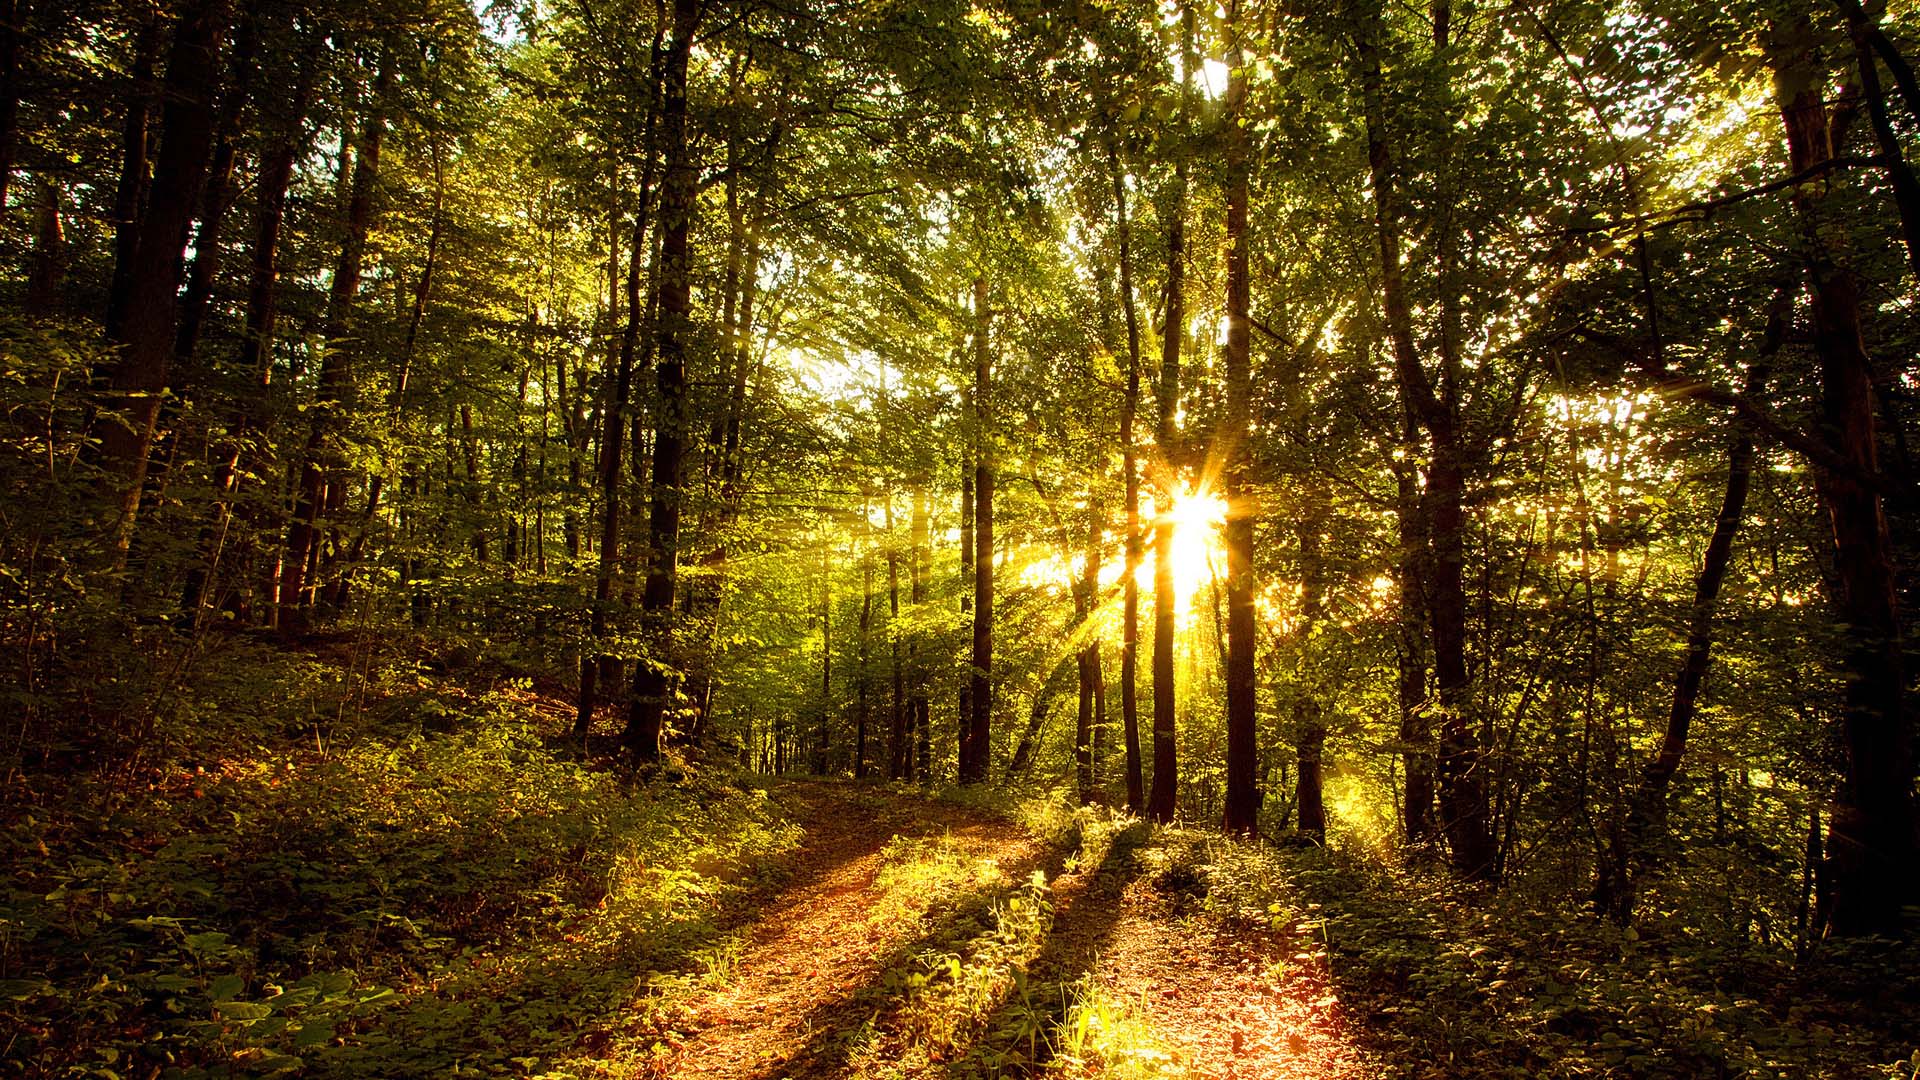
1442	982
375	873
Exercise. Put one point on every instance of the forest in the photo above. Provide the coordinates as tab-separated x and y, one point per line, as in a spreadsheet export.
907	538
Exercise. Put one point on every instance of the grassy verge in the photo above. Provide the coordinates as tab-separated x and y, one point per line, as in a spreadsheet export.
353	872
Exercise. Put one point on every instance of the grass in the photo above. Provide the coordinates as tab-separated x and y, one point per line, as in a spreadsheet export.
379	873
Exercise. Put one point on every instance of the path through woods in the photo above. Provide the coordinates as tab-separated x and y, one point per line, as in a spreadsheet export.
823	986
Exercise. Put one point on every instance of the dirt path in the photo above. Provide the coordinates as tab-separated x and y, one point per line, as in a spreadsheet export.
1243	1005
1202	1002
826	936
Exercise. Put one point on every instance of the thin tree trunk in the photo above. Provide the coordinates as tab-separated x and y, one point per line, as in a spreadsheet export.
919	708
1089	658
618	389
966	596
1130	468
1242	809
322	471
976	749
1650	803
1309	724
652	686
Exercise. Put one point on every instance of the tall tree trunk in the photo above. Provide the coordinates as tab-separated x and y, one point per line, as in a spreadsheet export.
966	592
1416	725
823	735
899	749
919	708
13	16
1130	468
136	164
652	684
1309	724
1089	658
1870	867
49	250
618	389
254	358
1161	798
976	749
1242	809
862	681
205	269
146	323
1463	798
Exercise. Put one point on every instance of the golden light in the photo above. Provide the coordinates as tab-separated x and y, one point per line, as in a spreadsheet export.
1197	555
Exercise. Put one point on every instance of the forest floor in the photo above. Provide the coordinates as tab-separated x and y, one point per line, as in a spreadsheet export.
370	864
1114	979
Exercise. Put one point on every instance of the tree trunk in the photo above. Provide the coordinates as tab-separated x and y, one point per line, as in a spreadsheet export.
1089	658
976	749
1025	750
1463	798
130	195
652	686
254	357
1161	799
966	592
1870	871
1309	724
919	709
1650	802
618	389
49	250
1242	810
13	15
1416	725
218	199
322	480
147	315
1130	468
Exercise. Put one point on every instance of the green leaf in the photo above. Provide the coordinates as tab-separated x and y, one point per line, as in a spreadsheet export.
227	987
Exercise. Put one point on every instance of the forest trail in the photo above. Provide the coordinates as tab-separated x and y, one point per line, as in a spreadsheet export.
813	982
827	934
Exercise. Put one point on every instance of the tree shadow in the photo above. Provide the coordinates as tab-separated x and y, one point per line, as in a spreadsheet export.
1082	922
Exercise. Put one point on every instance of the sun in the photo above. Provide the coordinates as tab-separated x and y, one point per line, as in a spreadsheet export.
1197	556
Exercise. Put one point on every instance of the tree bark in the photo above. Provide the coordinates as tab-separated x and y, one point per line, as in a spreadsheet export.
1242	809
13	15
1463	798
1130	470
1089	659
919	708
205	269
322	489
976	748
652	683
618	380
1869	870
145	329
